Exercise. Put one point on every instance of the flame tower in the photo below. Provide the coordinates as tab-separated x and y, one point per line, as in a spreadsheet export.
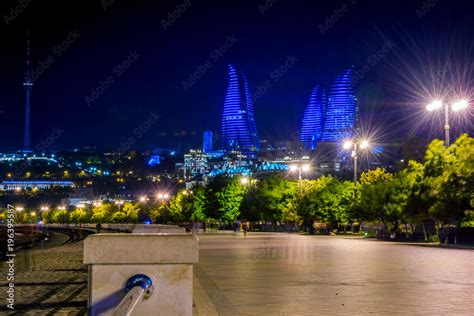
28	85
313	120
341	110
239	131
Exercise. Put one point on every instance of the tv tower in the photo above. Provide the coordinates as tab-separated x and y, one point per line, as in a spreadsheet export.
28	85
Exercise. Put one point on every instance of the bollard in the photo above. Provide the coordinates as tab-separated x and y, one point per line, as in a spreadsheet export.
164	259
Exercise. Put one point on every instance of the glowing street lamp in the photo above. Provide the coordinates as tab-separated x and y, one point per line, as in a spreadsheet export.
300	168
244	180
44	208
142	198
19	209
163	196
355	146
119	203
456	106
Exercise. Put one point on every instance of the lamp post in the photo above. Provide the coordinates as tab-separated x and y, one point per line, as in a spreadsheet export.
119	203
300	168
456	106
355	145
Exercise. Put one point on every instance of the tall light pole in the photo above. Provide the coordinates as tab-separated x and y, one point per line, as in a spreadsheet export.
355	145
300	168
456	106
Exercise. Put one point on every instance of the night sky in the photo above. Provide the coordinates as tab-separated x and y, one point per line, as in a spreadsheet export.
158	55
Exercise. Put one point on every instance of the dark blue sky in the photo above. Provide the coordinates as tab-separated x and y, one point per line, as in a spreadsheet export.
100	40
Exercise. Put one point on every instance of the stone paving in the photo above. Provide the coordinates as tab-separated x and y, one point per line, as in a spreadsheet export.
283	274
276	274
47	282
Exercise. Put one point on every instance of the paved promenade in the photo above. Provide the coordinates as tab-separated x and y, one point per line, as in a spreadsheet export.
280	274
48	282
276	274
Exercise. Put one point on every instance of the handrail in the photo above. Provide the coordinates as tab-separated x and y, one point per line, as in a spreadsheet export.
139	288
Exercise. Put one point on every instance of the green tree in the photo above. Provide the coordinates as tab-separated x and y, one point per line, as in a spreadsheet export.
230	199
78	216
102	213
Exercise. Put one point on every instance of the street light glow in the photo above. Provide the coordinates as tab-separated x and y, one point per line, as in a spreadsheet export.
19	209
306	168
436	104
244	180
347	144
293	168
459	105
142	198
364	144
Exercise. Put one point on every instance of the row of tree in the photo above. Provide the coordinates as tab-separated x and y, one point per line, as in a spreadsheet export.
437	189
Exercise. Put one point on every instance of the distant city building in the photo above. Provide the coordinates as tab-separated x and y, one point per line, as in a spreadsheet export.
239	131
207	142
195	164
341	110
313	120
21	185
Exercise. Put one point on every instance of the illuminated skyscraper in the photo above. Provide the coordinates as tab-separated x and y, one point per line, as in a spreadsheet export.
313	120
207	142
239	131
341	111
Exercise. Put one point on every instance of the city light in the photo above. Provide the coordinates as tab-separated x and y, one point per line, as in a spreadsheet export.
244	180
33	213
142	198
459	105
364	144
436	104
79	206
19	209
347	144
456	106
293	168
61	208
44	208
306	168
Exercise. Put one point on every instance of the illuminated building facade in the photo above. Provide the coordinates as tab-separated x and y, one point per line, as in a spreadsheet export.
239	131
195	164
341	110
313	120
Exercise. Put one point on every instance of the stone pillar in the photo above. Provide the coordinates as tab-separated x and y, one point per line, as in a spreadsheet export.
165	258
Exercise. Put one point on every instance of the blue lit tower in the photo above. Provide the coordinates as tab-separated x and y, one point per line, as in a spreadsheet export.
313	120
28	85
341	111
239	131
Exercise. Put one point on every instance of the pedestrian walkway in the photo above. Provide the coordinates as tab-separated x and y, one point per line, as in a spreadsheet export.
275	274
47	282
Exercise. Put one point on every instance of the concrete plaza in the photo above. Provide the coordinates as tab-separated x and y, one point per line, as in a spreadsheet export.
276	274
284	274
